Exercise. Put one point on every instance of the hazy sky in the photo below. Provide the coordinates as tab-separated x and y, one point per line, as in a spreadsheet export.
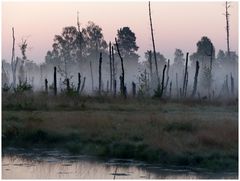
176	24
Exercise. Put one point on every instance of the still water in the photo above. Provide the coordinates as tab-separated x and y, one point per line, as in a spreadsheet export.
43	164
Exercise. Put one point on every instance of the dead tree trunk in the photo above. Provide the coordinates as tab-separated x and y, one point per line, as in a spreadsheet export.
121	85
232	85
110	63
79	83
123	88
170	90
114	87
227	25
55	81
186	86
13	61
177	85
107	86
46	85
113	73
162	84
154	49
133	89
83	85
168	66
100	75
227	88
195	79
150	64
185	77
91	75
113	65
68	85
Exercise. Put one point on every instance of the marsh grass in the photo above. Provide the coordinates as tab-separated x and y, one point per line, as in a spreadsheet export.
186	134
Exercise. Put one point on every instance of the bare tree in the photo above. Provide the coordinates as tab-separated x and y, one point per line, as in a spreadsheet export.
123	88
110	64
100	74
55	81
227	6
154	49
113	72
195	79
22	74
185	80
162	84
91	74
150	63
14	61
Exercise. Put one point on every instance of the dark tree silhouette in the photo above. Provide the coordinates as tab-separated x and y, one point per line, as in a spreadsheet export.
178	58
95	40
205	48
127	43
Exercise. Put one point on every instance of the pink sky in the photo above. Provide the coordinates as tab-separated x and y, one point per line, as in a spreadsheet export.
176	24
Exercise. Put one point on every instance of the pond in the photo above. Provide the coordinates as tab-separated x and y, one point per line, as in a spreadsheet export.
45	164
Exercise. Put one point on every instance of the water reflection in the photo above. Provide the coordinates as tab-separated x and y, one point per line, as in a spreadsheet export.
55	165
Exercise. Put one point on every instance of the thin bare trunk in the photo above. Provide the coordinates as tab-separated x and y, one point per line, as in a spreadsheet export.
195	79
154	49
227	25
110	63
55	81
123	88
185	77
150	64
100	75
162	84
91	75
79	83
13	61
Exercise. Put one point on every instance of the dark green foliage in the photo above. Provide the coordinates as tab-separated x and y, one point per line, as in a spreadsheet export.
127	43
23	87
6	88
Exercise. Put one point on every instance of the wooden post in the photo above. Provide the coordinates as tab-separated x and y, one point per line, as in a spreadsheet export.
55	81
195	79
46	85
100	75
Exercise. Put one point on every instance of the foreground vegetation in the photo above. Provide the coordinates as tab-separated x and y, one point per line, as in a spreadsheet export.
178	132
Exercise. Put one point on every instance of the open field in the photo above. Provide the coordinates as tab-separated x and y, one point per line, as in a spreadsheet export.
187	133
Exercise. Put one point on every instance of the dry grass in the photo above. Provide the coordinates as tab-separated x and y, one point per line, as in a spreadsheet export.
174	128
